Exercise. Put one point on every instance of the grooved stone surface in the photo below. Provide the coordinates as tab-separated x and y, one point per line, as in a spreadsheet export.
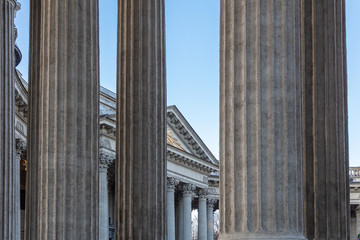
327	212
141	137
62	178
260	120
9	171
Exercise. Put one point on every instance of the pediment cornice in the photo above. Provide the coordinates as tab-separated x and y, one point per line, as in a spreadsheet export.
184	158
188	135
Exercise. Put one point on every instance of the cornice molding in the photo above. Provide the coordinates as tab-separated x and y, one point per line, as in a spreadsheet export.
191	143
192	162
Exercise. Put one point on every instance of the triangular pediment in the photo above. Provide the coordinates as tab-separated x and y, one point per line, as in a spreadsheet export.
174	140
183	137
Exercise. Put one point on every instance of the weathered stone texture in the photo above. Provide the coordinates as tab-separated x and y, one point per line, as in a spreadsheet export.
62	178
260	120
141	137
9	171
325	120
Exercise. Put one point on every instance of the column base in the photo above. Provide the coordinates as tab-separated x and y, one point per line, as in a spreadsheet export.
263	236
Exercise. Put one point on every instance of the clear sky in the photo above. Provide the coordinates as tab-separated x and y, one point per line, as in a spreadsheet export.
192	45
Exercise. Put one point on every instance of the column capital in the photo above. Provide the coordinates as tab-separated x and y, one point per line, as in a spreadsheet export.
188	189
20	146
211	202
172	182
203	192
357	209
104	161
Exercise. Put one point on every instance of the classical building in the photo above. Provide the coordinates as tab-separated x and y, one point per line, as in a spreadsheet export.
192	170
283	126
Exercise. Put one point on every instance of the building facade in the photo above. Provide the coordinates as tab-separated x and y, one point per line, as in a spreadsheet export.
192	170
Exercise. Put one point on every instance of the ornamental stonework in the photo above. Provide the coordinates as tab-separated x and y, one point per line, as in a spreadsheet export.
172	182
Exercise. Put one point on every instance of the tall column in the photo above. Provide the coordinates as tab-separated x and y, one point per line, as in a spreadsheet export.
9	228
357	220
104	197
260	109
141	122
62	178
187	194
202	218
170	207
325	120
20	150
181	220
210	218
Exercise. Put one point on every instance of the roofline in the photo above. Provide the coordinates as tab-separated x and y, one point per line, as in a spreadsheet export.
198	139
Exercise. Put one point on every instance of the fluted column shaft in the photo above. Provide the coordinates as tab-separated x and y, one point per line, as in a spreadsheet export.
62	178
187	195
325	120
260	120
9	174
180	226
141	137
170	207
210	219
104	199
202	215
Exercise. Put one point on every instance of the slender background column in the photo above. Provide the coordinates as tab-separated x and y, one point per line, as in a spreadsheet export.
326	165
62	178
141	122
181	220
210	218
104	197
170	207
187	194
20	151
202	214
260	120
9	171
357	231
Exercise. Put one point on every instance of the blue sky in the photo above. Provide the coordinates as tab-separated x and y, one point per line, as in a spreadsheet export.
192	45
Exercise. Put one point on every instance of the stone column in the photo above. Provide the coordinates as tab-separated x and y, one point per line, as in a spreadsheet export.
325	120
357	220
202	218
181	220
210	218
260	120
20	150
187	194
62	178
141	122
104	197
170	207
9	174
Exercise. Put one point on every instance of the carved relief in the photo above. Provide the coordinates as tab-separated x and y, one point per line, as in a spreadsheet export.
105	143
172	182
203	193
188	188
171	140
20	127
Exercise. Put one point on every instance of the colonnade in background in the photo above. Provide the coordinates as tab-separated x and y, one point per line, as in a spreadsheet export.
282	102
178	211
